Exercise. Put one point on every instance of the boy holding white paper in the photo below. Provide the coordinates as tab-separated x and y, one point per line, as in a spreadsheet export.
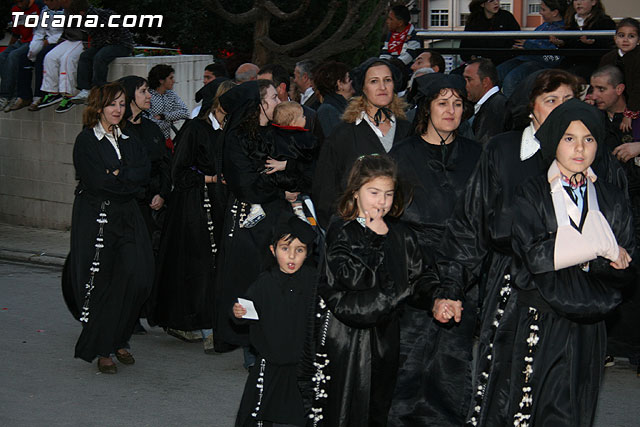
283	297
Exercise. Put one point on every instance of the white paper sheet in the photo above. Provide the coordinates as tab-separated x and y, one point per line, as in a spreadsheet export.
252	314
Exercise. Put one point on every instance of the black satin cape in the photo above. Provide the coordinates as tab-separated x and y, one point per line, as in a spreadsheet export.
125	276
477	239
570	304
285	306
434	379
183	293
365	279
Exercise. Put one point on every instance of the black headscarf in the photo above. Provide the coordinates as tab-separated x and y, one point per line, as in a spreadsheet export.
359	72
358	83
431	84
517	106
239	101
558	121
130	84
208	93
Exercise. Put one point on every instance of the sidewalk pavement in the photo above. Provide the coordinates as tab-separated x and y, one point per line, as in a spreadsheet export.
33	245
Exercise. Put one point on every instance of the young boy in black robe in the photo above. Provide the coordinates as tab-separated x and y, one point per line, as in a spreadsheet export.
283	297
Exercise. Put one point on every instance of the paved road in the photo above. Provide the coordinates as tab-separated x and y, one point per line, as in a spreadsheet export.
171	384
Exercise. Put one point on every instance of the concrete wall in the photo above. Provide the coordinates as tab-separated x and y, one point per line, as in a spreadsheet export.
37	178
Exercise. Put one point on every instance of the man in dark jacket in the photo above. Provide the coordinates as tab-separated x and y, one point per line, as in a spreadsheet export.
482	89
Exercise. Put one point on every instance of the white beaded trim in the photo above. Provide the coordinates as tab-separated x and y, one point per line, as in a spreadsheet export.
95	264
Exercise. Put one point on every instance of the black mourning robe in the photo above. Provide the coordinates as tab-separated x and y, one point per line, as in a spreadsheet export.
285	306
434	379
553	321
623	334
489	121
183	295
346	143
245	251
120	255
477	238
365	279
160	178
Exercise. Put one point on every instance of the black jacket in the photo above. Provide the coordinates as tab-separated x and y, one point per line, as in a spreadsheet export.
489	121
347	142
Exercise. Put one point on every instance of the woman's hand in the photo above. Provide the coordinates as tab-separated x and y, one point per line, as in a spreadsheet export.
239	310
445	309
291	197
211	179
374	221
519	44
627	151
585	40
623	260
116	172
556	41
157	202
274	166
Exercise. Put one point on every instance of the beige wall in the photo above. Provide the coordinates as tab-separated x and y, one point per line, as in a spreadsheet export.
37	178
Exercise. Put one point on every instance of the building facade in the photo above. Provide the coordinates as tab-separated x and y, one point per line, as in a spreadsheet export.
452	14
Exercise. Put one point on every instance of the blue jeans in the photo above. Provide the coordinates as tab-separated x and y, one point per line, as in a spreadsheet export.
9	60
25	75
93	65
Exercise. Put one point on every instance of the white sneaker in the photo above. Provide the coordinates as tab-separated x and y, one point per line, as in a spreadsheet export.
81	96
4	102
299	212
256	214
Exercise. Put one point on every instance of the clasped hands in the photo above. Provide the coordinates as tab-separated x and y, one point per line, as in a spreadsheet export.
445	309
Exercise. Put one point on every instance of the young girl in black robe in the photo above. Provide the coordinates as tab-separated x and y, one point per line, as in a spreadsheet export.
109	270
283	297
572	236
373	264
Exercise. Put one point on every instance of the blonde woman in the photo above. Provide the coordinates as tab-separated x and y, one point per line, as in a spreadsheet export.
372	123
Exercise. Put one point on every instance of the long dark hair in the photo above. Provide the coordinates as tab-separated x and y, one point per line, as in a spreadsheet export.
597	12
251	122
365	169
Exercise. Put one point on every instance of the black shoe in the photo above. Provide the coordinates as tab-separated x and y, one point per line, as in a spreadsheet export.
139	329
50	99
609	361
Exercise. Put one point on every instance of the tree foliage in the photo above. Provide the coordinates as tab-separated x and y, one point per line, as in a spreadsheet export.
283	31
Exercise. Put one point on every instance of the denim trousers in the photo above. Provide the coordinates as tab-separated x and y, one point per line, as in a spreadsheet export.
93	66
9	67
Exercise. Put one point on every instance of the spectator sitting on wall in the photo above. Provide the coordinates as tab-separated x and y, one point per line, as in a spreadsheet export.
18	46
108	42
401	42
513	71
60	65
44	39
486	15
585	15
